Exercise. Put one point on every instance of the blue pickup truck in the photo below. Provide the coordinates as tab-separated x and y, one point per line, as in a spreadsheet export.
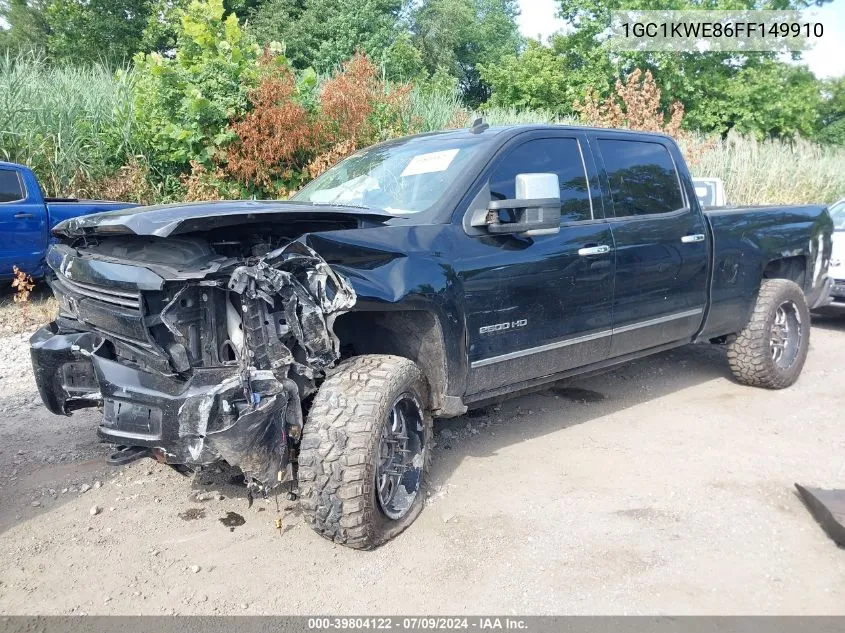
26	218
311	341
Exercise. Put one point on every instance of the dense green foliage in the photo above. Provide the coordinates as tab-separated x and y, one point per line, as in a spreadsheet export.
168	99
323	33
471	45
752	94
184	103
832	112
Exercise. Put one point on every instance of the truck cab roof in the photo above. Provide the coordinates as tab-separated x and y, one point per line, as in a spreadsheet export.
502	132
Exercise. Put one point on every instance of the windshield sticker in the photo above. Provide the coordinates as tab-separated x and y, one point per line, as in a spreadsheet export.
430	163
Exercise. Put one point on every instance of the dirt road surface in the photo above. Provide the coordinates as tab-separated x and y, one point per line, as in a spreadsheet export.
661	487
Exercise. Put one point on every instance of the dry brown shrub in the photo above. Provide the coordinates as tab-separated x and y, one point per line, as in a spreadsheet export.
635	104
335	154
459	119
130	183
274	135
347	100
280	144
23	285
357	105
202	184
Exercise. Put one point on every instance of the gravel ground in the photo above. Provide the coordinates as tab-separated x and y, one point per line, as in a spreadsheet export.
661	487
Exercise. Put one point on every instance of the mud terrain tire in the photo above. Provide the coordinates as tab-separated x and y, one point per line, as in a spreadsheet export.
753	355
342	450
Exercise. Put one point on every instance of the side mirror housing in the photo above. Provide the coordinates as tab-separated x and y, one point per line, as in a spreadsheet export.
534	211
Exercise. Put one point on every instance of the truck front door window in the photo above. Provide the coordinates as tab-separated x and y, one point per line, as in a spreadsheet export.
561	156
643	178
538	306
10	186
660	290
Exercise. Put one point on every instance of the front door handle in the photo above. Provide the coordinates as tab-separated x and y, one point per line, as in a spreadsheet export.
24	216
593	250
692	239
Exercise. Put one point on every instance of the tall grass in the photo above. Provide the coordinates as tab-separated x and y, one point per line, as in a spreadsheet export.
66	123
773	172
433	111
438	110
497	115
74	125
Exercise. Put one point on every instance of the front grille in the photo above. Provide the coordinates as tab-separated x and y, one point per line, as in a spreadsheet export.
103	294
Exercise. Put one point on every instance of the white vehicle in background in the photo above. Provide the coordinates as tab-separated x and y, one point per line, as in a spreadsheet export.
837	258
710	192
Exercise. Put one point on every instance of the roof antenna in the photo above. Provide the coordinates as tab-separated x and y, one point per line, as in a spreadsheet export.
478	126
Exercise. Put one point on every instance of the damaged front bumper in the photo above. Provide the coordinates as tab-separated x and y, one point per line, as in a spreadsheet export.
187	422
246	410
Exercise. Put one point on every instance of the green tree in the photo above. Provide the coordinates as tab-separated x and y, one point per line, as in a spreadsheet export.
772	99
184	104
534	79
96	30
27	24
460	36
165	18
832	112
707	84
547	77
323	33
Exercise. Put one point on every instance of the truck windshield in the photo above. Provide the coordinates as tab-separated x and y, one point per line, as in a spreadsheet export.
837	212
402	178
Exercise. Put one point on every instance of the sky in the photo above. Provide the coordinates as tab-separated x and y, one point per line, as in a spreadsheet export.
827	59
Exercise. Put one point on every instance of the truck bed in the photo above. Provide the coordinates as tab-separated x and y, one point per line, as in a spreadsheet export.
745	239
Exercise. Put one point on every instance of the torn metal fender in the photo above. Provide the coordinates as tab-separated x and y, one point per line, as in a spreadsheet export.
255	434
312	294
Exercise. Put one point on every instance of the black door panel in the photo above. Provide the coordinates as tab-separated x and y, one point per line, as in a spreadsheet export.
662	252
538	306
548	312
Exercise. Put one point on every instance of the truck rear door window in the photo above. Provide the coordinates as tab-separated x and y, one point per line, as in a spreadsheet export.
643	178
10	186
561	156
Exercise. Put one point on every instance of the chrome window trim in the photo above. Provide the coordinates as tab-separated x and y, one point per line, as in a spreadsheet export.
583	339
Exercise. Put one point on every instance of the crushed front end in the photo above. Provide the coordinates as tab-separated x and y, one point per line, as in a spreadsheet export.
199	348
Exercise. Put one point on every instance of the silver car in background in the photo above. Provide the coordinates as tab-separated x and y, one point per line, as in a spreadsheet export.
837	259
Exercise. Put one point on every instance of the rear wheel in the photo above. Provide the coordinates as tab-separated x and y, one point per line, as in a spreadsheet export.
772	348
365	451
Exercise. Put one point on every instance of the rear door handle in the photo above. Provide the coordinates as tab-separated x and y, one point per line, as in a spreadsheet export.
593	250
24	216
691	239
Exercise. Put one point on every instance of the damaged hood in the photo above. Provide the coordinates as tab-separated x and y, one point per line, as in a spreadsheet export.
172	219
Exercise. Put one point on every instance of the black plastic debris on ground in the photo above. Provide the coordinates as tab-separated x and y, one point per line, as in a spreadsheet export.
232	520
828	508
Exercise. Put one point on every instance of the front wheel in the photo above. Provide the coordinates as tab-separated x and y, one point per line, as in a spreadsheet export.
771	349
365	451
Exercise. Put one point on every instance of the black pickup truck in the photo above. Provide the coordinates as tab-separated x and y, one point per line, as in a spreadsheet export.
310	342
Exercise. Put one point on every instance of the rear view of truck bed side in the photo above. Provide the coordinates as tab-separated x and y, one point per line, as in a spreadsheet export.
754	243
